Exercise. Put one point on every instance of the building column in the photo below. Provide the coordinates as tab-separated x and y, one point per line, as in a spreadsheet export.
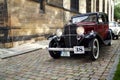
82	6
106	6
111	10
101	5
110	16
112	4
93	5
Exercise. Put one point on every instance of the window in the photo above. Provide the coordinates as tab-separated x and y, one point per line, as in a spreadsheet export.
75	5
102	18
58	3
3	13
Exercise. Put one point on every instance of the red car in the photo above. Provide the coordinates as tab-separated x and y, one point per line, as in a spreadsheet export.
84	34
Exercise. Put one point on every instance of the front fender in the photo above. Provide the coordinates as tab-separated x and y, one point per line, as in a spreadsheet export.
58	40
54	42
55	39
92	35
109	35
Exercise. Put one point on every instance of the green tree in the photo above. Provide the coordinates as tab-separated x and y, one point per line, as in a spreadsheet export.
117	12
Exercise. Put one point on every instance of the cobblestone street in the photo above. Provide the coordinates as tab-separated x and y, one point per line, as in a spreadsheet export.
38	65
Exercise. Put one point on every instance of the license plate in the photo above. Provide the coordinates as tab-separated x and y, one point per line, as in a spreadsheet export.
79	49
65	54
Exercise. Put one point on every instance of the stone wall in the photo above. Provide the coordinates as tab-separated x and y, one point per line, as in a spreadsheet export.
27	24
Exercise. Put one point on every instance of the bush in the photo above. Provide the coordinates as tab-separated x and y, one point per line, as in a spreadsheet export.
117	73
117	12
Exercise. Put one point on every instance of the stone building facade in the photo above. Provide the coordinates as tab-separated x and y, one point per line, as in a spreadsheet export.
27	21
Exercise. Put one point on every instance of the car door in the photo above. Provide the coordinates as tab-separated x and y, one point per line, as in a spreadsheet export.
106	25
102	25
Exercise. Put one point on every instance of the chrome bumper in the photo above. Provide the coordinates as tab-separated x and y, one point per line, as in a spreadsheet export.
66	49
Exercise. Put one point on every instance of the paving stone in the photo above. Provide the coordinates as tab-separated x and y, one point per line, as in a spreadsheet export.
94	79
17	77
62	78
85	79
8	79
38	65
31	79
54	78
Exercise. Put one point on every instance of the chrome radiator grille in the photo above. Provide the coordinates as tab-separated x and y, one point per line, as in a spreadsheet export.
70	35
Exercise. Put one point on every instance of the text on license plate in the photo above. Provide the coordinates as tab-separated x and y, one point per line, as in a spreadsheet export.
79	49
65	53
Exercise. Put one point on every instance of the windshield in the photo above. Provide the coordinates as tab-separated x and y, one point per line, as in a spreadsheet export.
88	18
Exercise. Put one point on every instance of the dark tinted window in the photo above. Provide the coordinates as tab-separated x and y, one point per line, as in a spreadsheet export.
102	18
75	5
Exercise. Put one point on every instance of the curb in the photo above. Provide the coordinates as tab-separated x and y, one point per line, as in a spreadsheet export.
25	48
114	67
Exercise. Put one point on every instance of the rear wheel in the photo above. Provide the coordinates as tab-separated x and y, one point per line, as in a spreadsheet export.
94	53
110	36
117	36
54	54
113	36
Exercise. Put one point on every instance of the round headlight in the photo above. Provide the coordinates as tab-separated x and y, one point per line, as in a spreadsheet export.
80	30
59	32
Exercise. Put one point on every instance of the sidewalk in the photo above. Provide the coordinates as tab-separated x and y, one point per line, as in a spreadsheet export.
4	53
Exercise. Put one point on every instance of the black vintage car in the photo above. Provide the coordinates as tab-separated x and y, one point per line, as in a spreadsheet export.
84	34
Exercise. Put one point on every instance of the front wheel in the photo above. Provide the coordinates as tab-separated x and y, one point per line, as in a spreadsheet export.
94	53
54	54
117	37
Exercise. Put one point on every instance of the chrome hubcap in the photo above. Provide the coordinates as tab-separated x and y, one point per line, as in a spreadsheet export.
95	49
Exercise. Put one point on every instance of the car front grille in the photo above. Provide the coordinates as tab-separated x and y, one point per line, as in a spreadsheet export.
70	36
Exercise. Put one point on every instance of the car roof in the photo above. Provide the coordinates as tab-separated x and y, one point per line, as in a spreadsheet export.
85	14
